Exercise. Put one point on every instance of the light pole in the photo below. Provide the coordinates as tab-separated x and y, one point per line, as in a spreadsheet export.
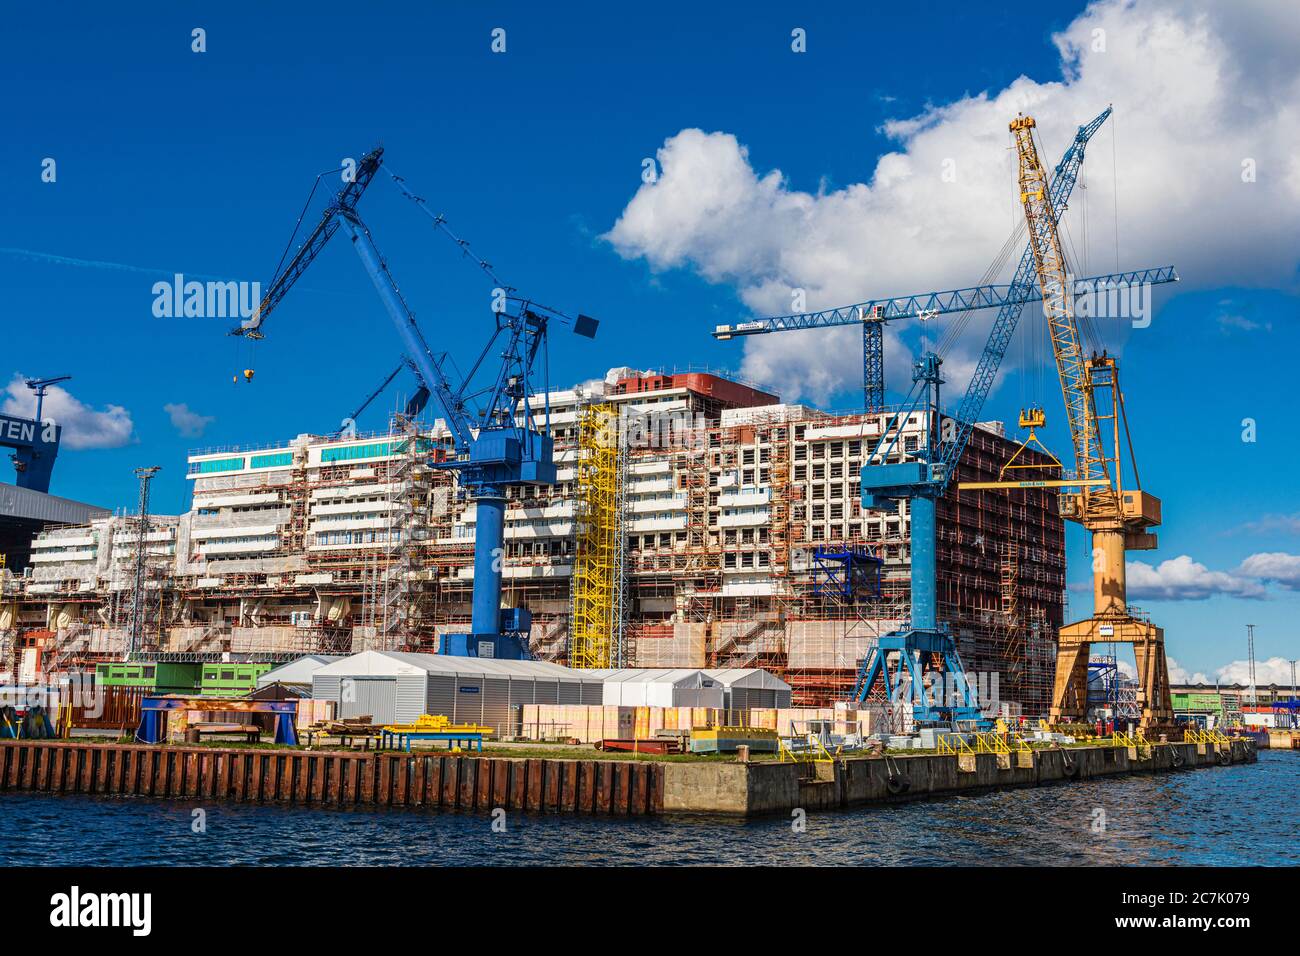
1292	709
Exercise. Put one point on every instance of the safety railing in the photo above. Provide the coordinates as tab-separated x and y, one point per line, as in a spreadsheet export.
984	743
811	751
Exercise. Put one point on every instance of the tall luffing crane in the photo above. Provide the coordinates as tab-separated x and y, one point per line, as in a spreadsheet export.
500	440
926	669
1118	518
873	314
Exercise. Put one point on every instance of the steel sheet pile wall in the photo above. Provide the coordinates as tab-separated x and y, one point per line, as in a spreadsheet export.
435	781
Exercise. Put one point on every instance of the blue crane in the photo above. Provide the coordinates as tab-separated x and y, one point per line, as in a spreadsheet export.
500	440
926	646
872	315
35	441
414	405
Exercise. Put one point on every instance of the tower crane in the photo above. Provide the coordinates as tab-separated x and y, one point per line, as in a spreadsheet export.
874	313
925	647
1118	518
500	440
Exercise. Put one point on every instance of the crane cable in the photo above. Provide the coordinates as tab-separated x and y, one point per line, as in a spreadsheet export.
440	223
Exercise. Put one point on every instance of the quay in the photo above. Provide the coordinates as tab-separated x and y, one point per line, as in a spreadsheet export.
645	786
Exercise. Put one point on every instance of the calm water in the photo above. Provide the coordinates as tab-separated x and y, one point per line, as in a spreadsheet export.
1242	814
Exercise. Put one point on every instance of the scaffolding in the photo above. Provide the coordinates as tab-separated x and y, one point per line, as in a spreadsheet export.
597	578
717	548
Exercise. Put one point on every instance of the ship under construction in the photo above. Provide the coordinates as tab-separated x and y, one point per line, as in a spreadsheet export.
696	521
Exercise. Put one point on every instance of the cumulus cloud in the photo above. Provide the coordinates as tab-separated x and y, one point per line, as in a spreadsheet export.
189	423
1275	670
83	426
1277	567
1204	94
1182	579
1178	674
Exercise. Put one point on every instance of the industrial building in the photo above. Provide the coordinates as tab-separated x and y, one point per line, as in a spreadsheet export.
396	687
697	522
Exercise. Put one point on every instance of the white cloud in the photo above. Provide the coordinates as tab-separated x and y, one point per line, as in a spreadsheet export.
1275	670
83	426
189	423
1275	566
1182	579
1198	88
1180	675
1289	524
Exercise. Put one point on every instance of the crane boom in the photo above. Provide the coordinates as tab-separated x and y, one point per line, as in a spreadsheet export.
924	480
345	200
926	304
1023	283
1118	519
1050	269
872	315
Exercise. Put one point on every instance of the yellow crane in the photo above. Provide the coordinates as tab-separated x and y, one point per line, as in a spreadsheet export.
1118	518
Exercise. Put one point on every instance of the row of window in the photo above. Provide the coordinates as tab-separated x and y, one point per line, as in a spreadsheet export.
380	536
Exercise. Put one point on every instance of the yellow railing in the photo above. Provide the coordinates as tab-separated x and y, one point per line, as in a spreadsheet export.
1121	739
985	743
953	745
816	752
1193	736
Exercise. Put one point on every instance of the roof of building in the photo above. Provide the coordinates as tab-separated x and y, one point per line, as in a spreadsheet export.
726	676
747	677
297	671
677	676
396	663
18	502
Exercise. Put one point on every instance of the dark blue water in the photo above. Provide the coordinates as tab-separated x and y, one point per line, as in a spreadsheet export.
1243	814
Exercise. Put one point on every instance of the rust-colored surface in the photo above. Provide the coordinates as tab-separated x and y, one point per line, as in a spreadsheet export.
453	781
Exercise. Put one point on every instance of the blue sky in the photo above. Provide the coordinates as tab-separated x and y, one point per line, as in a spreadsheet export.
174	161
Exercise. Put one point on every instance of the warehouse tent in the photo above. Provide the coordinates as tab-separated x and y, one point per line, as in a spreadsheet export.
398	687
746	687
659	687
297	673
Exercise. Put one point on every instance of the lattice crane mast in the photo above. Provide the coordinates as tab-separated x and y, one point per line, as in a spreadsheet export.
1118	519
925	648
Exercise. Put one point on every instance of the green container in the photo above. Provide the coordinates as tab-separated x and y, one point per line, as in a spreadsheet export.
158	677
1197	702
230	680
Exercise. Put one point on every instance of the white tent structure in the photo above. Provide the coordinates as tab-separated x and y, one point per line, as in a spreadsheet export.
746	687
297	673
659	687
396	687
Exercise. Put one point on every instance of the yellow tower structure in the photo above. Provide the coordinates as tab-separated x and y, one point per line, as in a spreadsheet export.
1118	518
597	561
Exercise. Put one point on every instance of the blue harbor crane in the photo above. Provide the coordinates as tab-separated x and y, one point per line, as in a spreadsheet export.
925	646
873	314
34	441
500	440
